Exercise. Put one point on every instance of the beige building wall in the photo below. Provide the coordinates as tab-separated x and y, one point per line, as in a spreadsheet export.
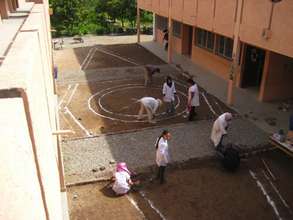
219	16
261	24
256	19
189	12
30	179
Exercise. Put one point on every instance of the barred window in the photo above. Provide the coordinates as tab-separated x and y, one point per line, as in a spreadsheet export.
224	47
177	29
205	39
161	23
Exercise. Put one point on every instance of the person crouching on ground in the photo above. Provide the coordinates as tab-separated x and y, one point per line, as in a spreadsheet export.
162	154
193	99
122	179
169	93
220	129
150	105
149	71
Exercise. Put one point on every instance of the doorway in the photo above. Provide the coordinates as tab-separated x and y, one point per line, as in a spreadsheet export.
253	67
187	40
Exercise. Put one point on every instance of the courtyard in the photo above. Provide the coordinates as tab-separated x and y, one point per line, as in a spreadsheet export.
98	86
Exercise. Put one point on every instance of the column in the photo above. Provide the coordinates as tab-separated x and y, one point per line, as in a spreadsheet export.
154	27
10	6
170	30
138	24
264	76
235	56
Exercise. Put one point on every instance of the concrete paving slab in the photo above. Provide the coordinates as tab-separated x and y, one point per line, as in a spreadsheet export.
189	141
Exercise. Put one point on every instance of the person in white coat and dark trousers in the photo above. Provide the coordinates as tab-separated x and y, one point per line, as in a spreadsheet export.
169	93
220	129
193	99
162	154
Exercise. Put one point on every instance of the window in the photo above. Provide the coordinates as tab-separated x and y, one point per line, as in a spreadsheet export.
161	23
177	29
205	39
224	47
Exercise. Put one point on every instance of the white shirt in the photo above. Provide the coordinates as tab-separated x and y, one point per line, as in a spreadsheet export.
219	129
162	155
195	100
169	92
150	103
121	185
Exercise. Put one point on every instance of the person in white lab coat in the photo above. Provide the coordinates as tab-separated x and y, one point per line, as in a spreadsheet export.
220	129
193	99
162	154
169	93
150	105
122	178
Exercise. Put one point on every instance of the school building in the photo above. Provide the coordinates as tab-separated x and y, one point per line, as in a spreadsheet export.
247	41
31	172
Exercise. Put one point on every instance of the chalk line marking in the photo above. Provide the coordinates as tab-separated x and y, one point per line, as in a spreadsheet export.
269	200
65	95
90	59
117	119
152	205
134	203
218	105
72	94
77	122
131	87
119	57
86	58
278	192
209	104
66	121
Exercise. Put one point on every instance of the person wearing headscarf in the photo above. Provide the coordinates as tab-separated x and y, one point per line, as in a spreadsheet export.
220	129
149	71
150	105
162	154
169	93
122	178
193	99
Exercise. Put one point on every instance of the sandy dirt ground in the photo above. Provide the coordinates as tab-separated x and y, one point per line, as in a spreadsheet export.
197	190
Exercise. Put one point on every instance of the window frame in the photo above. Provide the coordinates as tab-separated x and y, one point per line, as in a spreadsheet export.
226	41
177	27
202	39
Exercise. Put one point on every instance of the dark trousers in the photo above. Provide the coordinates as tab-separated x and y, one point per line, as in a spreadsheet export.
220	147
161	173
192	113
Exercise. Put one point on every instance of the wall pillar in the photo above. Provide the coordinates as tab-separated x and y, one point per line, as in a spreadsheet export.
138	24
264	76
14	4
10	5
235	56
154	27
4	10
170	33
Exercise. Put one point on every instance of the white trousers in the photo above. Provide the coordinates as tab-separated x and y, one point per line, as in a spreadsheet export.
149	112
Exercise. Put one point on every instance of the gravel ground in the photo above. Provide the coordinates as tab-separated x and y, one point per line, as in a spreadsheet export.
189	141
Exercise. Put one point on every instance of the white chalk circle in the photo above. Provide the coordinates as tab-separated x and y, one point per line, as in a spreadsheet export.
132	117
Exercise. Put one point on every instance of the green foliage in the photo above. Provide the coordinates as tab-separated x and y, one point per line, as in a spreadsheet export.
79	17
